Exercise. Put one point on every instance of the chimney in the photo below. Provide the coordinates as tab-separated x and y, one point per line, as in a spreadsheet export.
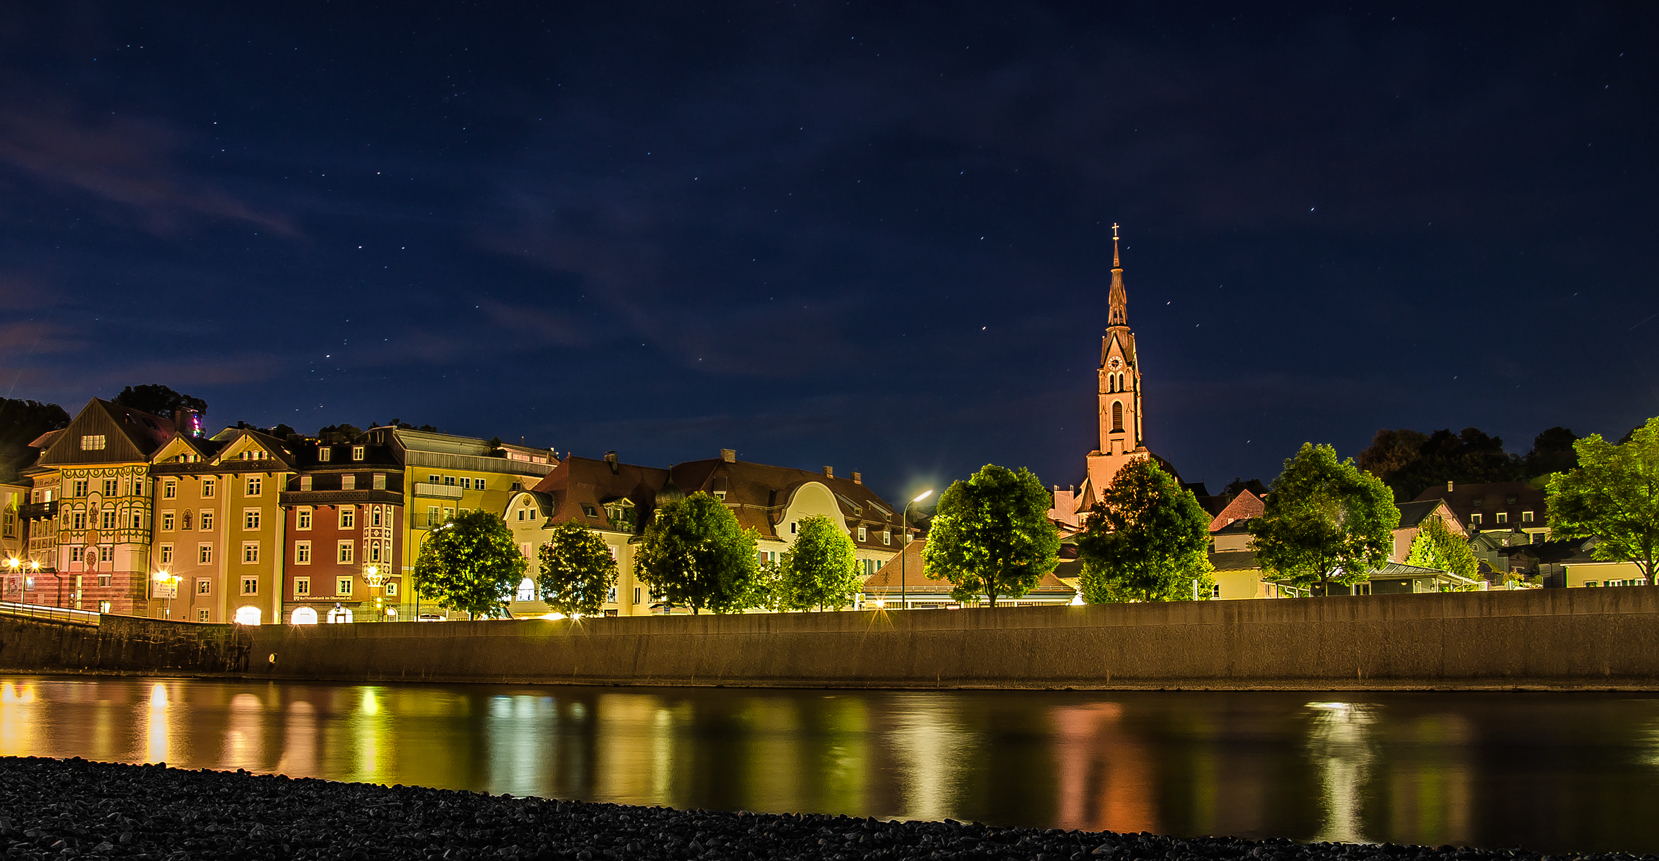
829	472
728	455
1448	487
610	458
857	477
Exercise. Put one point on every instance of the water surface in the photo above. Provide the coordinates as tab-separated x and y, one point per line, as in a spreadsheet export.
1551	772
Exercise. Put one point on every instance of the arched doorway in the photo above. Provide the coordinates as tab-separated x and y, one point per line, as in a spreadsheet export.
304	616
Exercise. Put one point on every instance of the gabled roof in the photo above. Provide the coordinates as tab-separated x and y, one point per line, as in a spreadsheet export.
1245	506
1412	514
200	449
582	480
758	494
230	438
128	436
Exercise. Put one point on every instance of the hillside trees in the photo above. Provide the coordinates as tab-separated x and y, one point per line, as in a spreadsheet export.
991	535
1147	540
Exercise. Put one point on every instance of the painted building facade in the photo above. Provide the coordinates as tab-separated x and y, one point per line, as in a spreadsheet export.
343	516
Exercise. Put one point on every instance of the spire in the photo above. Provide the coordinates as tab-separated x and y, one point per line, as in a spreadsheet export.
1118	298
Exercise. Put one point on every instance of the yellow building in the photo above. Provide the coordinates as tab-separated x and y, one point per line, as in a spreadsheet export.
445	474
218	545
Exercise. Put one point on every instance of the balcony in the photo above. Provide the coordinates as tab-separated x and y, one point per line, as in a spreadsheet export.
437	491
38	510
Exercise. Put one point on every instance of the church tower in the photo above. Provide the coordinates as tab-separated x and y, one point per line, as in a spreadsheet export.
1119	390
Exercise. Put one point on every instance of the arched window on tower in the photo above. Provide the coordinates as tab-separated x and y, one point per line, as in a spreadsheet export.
1117	415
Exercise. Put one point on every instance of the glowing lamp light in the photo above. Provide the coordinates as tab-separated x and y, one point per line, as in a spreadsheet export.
1077	599
925	494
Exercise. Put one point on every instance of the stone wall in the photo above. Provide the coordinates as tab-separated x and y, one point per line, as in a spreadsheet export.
123	644
1558	638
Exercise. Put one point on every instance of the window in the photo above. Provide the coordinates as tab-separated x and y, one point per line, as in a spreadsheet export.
610	597
449	481
202	615
107	519
861	534
374	551
204	586
250	585
1117	415
302	587
302	553
720	495
137	520
342	585
325	454
204	554
302	517
78	488
526	590
207	519
347	552
636	594
434	479
1501	517
449	513
521	513
348	482
169	489
589	510
432	515
208	485
792	527
391	588
356	452
103	581
532	514
112	487
380	481
166	554
254	485
250	518
305	483
1526	517
348	517
1475	518
376	515
887	536
1588	583
92	442
250	552
466	483
167	521
74	554
106	553
77	520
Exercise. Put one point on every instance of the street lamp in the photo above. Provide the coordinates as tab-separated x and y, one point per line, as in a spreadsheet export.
904	544
171	592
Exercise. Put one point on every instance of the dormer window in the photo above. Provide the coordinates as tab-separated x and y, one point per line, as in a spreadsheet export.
357	452
862	535
325	454
1502	517
589	511
1526	517
720	495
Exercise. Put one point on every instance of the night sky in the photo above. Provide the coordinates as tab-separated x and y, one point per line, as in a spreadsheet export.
871	235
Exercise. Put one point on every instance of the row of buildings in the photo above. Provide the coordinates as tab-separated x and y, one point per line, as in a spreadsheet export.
122	512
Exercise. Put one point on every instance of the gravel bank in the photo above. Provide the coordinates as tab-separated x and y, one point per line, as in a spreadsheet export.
75	808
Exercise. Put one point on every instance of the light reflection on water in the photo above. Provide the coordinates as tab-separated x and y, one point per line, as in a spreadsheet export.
1546	771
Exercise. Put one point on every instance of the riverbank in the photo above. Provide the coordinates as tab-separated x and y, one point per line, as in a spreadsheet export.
76	808
1540	639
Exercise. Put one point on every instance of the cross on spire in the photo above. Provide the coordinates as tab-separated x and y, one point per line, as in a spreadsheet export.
1115	263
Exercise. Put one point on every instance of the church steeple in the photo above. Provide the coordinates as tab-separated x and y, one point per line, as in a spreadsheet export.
1118	298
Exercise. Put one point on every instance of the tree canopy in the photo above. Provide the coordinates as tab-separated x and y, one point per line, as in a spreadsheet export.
1437	546
1410	461
991	535
158	400
1613	495
821	569
1147	540
1324	521
577	570
21	422
470	564
696	553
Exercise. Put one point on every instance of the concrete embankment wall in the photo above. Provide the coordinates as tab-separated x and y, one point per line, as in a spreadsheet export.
1558	638
123	644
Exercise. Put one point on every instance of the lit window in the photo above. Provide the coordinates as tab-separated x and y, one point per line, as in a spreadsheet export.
1475	518
325	454
391	589
356	452
348	482
203	615
204	586
342	586
526	590
92	442
302	586
861	534
1502	517
887	536
1526	517
247	615
302	553
305	483
380	481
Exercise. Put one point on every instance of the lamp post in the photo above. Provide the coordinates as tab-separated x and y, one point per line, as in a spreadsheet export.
904	546
171	591
371	576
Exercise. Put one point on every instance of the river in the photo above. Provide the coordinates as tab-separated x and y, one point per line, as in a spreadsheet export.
1552	772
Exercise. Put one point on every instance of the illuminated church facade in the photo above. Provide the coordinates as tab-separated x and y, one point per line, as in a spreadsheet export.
1120	409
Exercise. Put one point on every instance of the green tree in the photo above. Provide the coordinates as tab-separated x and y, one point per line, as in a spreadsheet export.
1436	546
158	400
470	564
1147	540
991	535
21	422
766	590
577	570
1613	496
821	569
1325	521
696	553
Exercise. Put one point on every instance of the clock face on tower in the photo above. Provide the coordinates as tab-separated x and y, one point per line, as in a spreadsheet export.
1115	363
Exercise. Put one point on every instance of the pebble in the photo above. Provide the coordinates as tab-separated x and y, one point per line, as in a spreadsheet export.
74	808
